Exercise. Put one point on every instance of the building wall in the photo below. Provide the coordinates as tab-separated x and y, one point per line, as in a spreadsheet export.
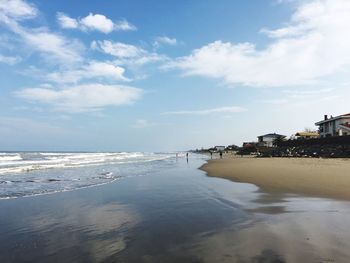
220	148
332	128
266	141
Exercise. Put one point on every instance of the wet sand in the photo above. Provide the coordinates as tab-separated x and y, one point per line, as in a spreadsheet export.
312	234
328	178
174	213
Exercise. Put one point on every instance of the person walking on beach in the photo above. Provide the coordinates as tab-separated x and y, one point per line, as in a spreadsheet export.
187	157
220	154
211	155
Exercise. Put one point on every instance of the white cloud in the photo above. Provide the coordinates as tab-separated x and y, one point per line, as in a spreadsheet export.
314	45
285	31
286	1
141	124
82	98
124	25
9	60
126	54
94	45
97	22
54	47
164	40
118	49
146	59
230	109
93	22
66	21
17	9
104	69
93	69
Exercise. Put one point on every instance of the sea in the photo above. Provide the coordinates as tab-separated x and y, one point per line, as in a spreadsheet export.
25	174
156	207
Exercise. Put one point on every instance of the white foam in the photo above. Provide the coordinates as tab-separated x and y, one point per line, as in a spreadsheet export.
58	191
28	177
26	162
9	157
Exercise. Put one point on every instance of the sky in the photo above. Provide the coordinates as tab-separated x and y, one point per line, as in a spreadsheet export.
129	75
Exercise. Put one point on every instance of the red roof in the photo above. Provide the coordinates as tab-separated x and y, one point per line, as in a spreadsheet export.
347	114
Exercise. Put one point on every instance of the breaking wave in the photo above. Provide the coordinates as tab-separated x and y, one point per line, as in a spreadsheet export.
36	173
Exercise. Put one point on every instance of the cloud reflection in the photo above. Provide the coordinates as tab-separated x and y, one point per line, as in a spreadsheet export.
99	231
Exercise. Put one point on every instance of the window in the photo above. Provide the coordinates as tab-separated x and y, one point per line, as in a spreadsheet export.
326	127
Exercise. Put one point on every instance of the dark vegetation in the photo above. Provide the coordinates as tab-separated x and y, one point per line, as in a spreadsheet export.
329	147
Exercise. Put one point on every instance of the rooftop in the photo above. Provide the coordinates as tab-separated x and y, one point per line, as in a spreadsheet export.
310	134
347	115
274	135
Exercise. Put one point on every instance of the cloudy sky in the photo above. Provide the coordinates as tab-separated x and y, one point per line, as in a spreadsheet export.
156	75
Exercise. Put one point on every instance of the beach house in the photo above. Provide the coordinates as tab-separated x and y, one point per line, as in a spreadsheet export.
267	140
249	144
220	148
306	135
334	126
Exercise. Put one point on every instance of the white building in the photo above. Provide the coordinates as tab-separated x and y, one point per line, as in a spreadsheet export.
220	148
267	140
334	126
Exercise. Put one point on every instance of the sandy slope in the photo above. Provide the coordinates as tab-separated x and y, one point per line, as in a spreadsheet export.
315	177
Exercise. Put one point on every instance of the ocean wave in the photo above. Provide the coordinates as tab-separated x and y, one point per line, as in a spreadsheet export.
32	194
9	157
46	173
32	161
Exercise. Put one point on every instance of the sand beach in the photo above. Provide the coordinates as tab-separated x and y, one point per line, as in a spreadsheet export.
328	178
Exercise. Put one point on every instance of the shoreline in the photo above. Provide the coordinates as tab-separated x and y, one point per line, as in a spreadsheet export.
327	178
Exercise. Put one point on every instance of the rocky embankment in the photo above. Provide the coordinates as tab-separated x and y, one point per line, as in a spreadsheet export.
333	147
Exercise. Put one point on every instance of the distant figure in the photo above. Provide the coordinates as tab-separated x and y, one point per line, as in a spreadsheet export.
211	155
220	154
187	157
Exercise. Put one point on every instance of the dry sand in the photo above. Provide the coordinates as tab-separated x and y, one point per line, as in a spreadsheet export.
314	177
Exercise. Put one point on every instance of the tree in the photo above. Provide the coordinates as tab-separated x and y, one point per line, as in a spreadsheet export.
307	129
279	140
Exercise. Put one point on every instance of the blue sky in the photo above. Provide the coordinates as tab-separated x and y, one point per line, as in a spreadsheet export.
168	75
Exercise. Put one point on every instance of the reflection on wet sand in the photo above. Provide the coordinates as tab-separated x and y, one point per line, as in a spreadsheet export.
303	230
101	226
93	233
268	209
174	215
